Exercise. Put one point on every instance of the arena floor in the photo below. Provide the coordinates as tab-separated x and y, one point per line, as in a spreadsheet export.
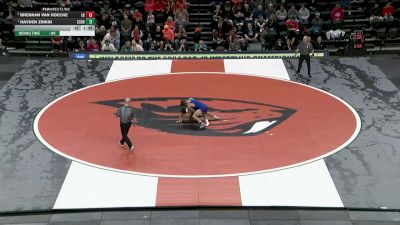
330	141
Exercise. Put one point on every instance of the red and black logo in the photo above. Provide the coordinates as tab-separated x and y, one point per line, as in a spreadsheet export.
237	118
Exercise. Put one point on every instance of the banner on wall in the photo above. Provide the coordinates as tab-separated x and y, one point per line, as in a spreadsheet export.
190	55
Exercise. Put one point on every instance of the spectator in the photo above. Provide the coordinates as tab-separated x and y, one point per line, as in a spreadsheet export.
265	40
137	34
2	17
157	36
232	35
65	3
114	22
137	5
253	4
138	20
169	11
180	21
228	13
260	24
92	44
180	4
239	32
292	25
170	23
290	44
101	33
75	3
160	16
248	14
179	35
281	14
388	12
238	14
153	46
216	2
236	2
160	6
116	4
150	5
25	3
108	46
304	14
113	36
57	43
182	12
227	24
337	14
235	45
279	45
126	28
197	34
273	24
182	46
293	13
105	20
138	17
316	26
3	48
81	46
136	47
105	8
375	14
319	45
151	19
250	35
274	2
218	35
168	34
200	46
146	38
69	44
270	10
259	12
217	14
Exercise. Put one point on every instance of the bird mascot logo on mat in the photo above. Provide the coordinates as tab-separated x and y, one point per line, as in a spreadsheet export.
237	118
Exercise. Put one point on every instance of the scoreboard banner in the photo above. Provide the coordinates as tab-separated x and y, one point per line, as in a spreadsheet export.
190	55
55	22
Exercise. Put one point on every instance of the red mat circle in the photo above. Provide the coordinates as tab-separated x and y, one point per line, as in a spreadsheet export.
77	128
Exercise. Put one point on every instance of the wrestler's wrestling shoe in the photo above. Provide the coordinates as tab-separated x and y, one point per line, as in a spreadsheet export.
202	125
207	123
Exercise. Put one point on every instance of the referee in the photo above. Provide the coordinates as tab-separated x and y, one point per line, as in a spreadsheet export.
305	48
126	116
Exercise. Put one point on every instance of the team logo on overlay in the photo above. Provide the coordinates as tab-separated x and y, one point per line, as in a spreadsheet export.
237	118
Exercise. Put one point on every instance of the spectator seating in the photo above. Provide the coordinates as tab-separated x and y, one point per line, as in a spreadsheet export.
384	35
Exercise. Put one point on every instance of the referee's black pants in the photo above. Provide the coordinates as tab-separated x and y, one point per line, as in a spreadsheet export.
124	131
301	59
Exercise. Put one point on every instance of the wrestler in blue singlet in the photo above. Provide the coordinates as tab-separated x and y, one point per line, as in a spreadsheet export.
199	105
